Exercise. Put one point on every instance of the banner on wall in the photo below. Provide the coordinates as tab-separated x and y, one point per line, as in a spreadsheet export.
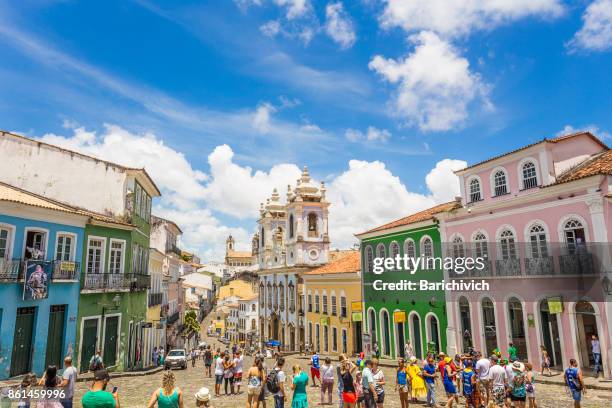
325	320
555	305
356	306
356	317
37	278
399	316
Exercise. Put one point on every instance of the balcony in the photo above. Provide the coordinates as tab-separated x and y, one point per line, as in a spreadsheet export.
105	282
577	264
173	249
539	266
66	270
508	267
138	281
155	299
11	270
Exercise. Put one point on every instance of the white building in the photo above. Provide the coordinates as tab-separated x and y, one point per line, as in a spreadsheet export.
248	320
292	238
198	289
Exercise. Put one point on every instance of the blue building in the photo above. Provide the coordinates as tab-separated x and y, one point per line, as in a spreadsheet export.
41	245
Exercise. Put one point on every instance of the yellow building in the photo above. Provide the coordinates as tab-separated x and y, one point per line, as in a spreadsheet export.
333	306
237	287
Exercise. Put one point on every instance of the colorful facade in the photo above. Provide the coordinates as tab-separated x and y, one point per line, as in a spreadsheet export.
540	216
396	317
333	306
37	320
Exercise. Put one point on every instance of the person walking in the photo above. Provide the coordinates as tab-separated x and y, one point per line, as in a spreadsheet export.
518	393
69	377
498	381
359	389
194	357
255	380
238	363
154	357
449	383
596	350
429	374
314	368
512	352
417	383
169	395
298	385
545	359
327	381
401	383
369	388
280	379
208	361
379	383
468	384
575	382
49	381
218	374
376	350
97	396
348	396
530	386
483	365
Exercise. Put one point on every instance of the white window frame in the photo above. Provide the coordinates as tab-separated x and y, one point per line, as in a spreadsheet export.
71	235
519	170
334	336
10	240
492	181
469	189
118	345
110	253
25	240
102	255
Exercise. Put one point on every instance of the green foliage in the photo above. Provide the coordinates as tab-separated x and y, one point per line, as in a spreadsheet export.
191	321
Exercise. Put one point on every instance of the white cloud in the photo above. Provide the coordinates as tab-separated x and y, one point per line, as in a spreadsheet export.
295	8
460	17
271	28
261	117
442	182
595	130
596	32
353	135
435	84
371	135
339	25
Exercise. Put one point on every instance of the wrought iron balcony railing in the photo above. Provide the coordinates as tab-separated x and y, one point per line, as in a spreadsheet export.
11	270
155	299
66	270
539	266
577	264
138	281
105	281
508	267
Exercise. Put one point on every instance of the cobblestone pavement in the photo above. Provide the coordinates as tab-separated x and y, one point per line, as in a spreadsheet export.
135	391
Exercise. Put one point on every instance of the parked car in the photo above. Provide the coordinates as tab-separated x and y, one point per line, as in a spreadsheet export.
176	358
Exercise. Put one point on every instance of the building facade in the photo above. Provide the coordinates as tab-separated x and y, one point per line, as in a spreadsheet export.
334	319
540	216
397	317
41	245
248	320
155	325
292	238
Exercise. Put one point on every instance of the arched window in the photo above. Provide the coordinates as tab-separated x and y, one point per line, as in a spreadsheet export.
427	252
369	261
466	323
281	296
291	226
574	235
432	328
500	183
269	296
394	249
517	328
475	193
275	297
489	326
458	248
415	331
537	241
480	246
507	244
263	240
253	309
343	309
312	225
386	333
372	326
409	248
380	251
530	178
317	303
261	295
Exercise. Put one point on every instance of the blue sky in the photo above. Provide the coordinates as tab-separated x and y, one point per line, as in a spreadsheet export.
209	96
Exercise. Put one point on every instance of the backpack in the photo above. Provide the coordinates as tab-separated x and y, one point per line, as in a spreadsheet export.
272	382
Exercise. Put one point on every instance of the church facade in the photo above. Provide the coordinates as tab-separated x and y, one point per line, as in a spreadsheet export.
292	238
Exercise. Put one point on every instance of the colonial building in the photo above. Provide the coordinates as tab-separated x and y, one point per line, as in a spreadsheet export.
540	216
334	306
292	238
248	318
155	329
396	317
112	305
235	259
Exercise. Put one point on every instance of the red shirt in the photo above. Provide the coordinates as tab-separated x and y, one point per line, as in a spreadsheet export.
441	366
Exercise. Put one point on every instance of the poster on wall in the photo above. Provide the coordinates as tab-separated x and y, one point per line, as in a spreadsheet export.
37	277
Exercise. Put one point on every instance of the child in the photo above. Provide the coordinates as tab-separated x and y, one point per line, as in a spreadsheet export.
359	389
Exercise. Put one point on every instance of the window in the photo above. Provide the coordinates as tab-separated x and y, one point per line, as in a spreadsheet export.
35	245
343	310
537	242
530	178
480	246
507	244
458	248
5	250
324	303
312	225
64	247
318	337
333	305
344	341
427	248
281	289
269	296
310	332
500	183
116	256
380	251
261	295
137	198
409	248
291	226
575	236
95	255
394	249
334	339
475	194
369	255
326	338
310	302
317	303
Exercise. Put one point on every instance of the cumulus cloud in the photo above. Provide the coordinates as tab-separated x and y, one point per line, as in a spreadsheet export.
262	116
596	32
442	182
271	28
435	84
295	8
595	130
460	17
339	25
371	135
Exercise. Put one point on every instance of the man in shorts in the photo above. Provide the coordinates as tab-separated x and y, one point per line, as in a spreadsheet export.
482	368
237	371
498	381
314	368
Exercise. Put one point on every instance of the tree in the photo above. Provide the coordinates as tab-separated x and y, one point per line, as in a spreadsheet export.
191	322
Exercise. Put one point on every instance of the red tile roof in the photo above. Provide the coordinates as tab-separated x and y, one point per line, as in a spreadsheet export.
545	140
350	263
424	215
600	164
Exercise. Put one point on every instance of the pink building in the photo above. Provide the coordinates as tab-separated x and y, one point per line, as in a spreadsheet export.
541	217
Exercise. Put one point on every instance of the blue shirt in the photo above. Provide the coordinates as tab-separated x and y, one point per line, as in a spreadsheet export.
429	369
466	379
401	377
315	361
571	376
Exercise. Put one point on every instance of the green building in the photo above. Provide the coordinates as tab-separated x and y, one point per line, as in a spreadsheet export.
394	317
114	283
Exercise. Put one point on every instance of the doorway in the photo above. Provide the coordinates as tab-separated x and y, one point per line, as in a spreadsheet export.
586	324
415	322
89	339
55	336
21	361
550	335
401	339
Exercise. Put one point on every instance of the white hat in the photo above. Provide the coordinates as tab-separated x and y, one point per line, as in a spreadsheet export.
203	394
517	365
